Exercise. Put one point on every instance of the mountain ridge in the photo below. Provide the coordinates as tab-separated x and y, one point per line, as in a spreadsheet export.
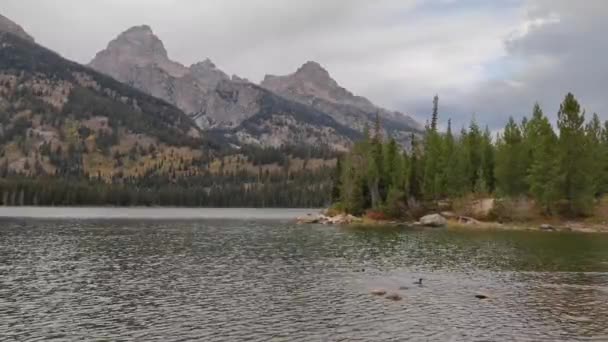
217	101
70	135
7	25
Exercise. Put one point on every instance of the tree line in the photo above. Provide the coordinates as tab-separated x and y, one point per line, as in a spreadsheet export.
305	189
564	170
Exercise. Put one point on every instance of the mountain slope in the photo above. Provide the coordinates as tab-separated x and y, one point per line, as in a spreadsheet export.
57	116
282	122
312	85
7	25
70	135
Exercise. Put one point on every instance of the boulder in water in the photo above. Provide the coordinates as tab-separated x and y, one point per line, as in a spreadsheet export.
434	220
482	295
309	219
394	297
378	292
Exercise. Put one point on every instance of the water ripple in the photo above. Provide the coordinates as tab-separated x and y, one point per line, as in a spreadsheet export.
220	280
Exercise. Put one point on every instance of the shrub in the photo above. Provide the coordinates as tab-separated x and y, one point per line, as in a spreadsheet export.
376	215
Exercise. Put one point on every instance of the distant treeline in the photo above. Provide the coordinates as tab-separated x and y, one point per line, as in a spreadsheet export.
564	172
297	189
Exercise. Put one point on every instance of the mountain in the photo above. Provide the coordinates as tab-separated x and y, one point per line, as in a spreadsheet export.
138	57
312	85
7	25
59	117
266	115
70	135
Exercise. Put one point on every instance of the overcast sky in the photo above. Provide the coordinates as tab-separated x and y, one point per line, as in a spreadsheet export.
485	58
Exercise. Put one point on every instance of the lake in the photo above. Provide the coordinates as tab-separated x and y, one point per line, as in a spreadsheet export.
253	275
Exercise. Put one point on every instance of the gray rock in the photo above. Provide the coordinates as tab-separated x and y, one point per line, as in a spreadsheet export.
394	297
309	219
547	227
7	25
328	220
378	292
434	220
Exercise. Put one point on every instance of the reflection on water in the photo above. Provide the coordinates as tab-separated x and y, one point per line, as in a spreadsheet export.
230	280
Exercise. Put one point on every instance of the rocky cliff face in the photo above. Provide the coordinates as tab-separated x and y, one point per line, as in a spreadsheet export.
6	25
138	57
310	108
311	84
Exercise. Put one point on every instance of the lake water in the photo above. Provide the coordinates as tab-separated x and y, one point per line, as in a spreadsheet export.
259	277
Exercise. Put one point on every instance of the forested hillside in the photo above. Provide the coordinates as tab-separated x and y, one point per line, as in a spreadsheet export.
564	171
72	136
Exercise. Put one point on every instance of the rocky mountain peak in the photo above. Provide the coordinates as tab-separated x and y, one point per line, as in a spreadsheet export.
312	85
7	25
136	47
311	80
206	64
314	70
139	41
207	74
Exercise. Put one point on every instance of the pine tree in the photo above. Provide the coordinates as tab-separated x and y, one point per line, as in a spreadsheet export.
446	161
375	172
435	115
352	195
603	188
510	165
543	173
593	130
337	181
457	172
431	186
414	171
472	146
575	157
488	161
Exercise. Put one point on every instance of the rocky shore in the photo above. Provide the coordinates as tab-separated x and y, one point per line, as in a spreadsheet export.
449	220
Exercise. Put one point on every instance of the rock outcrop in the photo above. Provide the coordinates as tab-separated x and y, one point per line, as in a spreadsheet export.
434	220
7	25
547	228
328	220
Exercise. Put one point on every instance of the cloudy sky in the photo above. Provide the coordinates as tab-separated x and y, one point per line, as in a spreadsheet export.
486	59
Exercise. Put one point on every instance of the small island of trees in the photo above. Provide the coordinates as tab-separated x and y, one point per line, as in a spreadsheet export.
563	171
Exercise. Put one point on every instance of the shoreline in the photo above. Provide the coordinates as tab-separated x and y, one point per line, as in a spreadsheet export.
147	213
451	224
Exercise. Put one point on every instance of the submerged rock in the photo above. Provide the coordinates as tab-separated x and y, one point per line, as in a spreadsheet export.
378	292
394	297
434	220
482	295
